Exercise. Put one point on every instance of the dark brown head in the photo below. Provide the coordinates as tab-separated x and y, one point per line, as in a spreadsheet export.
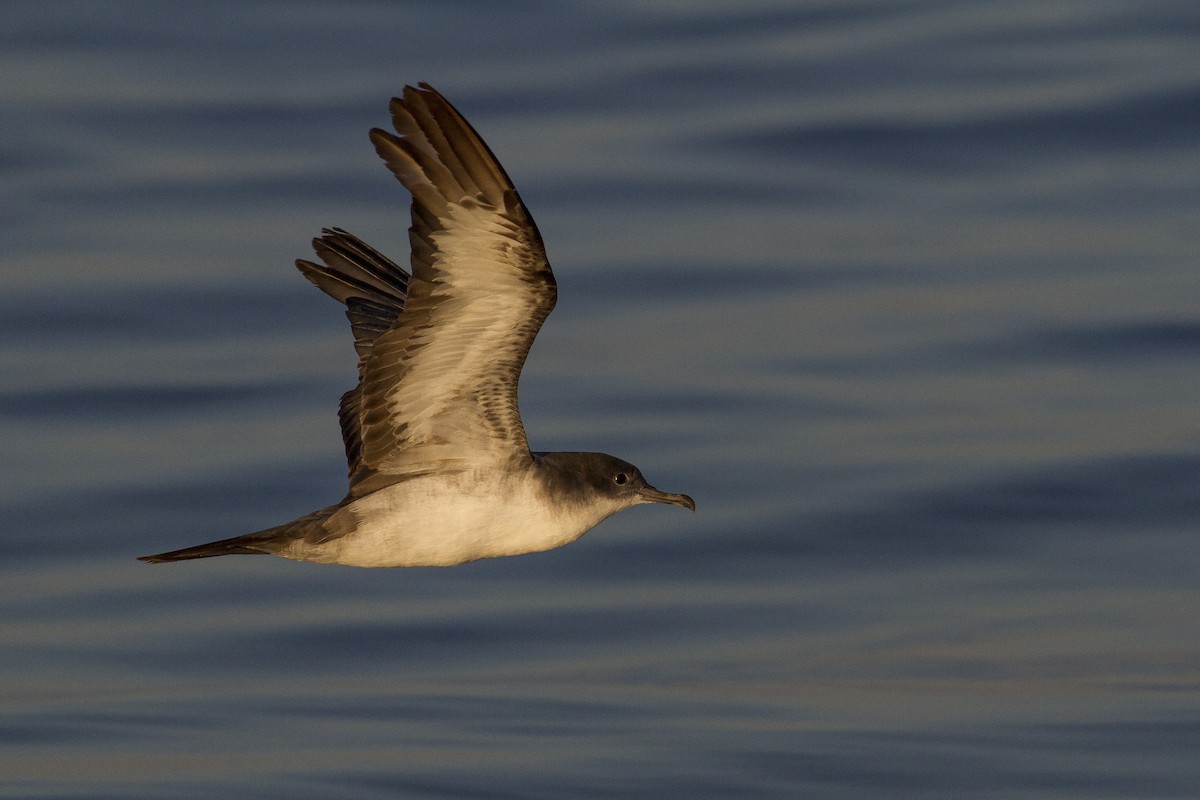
599	479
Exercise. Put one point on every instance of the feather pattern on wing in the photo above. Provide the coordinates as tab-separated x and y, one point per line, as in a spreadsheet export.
374	289
438	382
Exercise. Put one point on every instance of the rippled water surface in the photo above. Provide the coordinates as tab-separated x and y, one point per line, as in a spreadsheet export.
904	293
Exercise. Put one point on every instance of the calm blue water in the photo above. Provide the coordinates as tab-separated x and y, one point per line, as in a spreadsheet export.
904	293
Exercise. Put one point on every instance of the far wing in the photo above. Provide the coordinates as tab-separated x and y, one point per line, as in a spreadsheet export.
373	289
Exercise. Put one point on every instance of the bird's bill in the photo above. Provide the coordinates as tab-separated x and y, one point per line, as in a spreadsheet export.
652	495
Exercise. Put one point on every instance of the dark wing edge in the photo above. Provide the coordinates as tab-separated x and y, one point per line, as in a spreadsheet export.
374	290
442	161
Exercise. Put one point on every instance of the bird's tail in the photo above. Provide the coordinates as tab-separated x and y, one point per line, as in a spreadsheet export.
238	545
269	541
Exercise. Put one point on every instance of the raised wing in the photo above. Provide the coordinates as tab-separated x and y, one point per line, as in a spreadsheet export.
438	388
374	289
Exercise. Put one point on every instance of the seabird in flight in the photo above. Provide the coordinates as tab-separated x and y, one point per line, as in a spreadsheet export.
440	470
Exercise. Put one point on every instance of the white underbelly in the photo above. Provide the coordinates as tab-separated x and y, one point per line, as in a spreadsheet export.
436	522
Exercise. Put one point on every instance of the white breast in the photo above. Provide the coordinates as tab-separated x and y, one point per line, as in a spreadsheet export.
445	520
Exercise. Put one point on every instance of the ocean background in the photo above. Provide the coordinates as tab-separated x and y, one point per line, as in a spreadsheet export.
904	293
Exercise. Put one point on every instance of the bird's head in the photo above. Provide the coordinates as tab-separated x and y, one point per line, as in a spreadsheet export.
599	478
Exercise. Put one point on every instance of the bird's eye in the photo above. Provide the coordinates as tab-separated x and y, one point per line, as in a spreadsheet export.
620	479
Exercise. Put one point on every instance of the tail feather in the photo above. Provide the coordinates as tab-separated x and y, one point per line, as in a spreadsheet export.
265	542
238	545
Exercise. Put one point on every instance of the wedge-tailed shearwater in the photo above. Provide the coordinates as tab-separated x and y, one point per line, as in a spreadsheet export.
440	470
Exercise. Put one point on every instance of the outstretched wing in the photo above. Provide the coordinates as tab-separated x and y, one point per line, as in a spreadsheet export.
374	289
438	386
